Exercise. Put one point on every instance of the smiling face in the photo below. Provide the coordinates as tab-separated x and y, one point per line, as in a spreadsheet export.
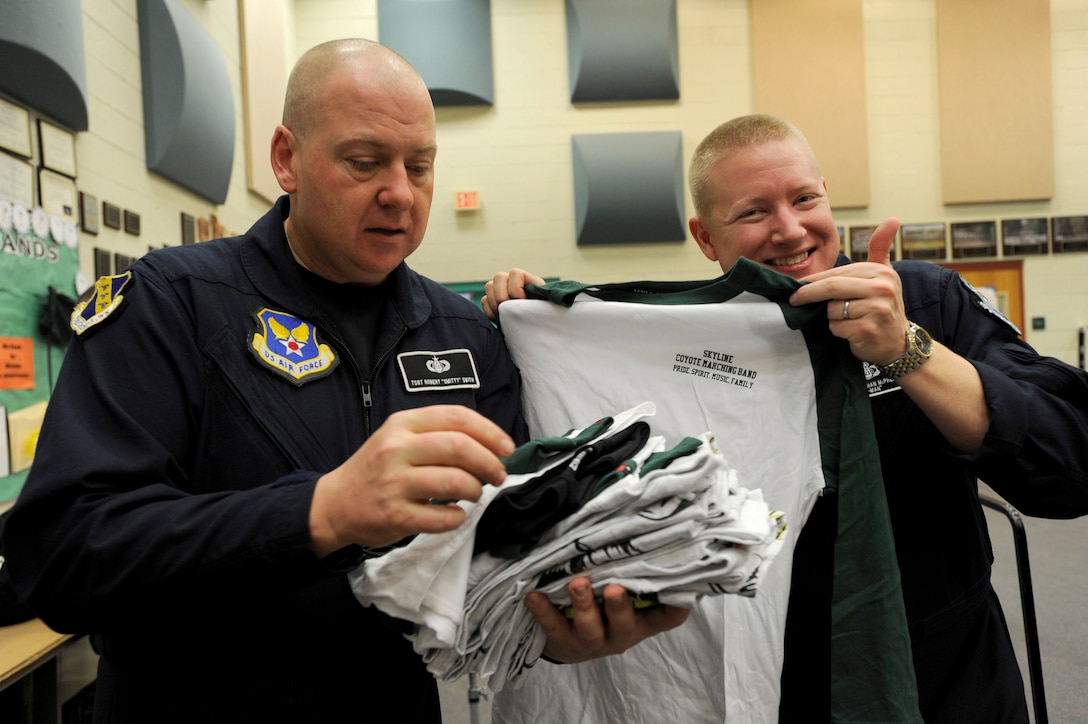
768	203
360	169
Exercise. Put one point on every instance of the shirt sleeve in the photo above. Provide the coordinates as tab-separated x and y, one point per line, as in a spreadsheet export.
111	525
1035	453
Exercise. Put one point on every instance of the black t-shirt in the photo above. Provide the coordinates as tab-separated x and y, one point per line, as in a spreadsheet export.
355	311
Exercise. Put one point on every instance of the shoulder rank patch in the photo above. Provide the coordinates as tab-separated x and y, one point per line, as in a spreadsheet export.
451	369
289	346
100	304
987	303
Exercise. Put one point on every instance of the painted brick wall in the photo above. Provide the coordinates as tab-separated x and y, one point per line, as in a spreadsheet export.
517	153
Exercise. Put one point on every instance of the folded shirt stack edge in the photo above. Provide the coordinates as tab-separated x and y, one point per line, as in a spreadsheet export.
671	525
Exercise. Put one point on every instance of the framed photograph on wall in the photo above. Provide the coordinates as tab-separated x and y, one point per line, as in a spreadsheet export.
1024	236
16	181
58	148
132	222
1069	233
111	215
88	212
57	195
102	263
188	228
122	262
15	129
859	242
974	238
923	241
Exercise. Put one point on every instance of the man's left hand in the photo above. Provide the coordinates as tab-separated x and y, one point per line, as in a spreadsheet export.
598	630
864	300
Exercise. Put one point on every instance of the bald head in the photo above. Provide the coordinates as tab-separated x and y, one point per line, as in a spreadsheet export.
734	135
305	99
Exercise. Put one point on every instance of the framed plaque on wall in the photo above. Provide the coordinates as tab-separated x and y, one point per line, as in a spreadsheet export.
924	241
1070	233
1024	236
58	148
14	129
974	238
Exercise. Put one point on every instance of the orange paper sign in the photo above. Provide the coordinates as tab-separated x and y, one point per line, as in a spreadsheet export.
16	363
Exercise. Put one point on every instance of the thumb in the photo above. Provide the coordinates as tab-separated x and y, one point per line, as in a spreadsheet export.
882	241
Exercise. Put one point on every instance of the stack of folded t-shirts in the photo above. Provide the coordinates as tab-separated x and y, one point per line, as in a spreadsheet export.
611	502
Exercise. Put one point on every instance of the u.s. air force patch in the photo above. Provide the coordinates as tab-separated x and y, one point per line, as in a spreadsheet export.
100	304
289	346
451	369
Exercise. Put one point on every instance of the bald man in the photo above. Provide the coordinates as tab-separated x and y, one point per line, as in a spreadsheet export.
238	423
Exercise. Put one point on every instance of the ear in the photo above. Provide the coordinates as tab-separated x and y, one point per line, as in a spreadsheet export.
284	151
701	235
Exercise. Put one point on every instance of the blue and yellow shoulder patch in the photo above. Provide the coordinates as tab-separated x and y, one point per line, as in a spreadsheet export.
97	307
289	347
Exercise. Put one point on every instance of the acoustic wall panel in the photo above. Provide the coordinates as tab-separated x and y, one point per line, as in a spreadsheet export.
622	50
808	66
449	43
188	101
42	59
264	44
996	107
628	187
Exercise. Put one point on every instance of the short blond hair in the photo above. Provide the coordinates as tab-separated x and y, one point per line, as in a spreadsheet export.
733	135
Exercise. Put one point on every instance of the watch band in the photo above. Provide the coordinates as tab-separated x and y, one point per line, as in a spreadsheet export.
919	349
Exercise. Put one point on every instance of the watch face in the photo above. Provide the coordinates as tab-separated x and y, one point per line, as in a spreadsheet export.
922	341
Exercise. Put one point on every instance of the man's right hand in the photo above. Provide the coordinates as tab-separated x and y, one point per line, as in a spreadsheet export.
506	285
387	488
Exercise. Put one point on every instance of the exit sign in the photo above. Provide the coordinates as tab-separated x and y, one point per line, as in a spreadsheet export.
468	200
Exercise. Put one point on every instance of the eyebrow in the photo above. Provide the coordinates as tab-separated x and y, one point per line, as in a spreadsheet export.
430	148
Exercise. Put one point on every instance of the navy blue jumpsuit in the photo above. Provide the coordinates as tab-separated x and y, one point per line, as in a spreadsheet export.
167	510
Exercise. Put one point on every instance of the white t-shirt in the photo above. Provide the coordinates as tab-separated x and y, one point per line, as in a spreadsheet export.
770	383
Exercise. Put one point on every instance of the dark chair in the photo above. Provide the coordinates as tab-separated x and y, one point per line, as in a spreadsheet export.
1027	603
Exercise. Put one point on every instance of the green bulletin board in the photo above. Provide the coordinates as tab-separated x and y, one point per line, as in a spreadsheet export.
29	265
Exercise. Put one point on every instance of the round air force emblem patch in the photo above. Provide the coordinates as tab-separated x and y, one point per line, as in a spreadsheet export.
289	346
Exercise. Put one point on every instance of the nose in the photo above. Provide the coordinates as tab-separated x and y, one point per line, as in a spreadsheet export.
396	189
787	226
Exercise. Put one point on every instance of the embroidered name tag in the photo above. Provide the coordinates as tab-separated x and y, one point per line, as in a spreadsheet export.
451	369
99	306
289	347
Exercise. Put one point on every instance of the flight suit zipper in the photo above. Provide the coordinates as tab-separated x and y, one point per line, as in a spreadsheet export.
368	397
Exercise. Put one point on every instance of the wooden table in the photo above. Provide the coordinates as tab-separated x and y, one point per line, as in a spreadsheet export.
28	657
